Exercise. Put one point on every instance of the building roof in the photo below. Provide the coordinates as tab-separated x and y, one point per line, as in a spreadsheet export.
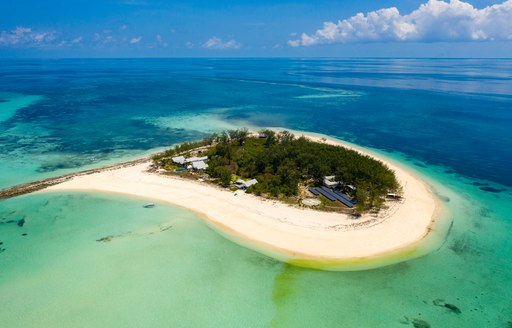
245	184
199	165
249	183
196	159
328	181
179	160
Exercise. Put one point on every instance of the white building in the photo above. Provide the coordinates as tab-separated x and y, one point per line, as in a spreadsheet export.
179	160
241	184
329	181
199	165
196	159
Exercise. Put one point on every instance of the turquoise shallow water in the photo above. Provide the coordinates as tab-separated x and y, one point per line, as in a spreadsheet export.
163	267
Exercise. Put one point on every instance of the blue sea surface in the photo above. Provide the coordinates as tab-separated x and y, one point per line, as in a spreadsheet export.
449	119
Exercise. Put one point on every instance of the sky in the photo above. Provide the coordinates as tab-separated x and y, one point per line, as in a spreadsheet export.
263	28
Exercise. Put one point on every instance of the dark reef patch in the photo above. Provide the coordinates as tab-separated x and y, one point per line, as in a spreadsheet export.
105	239
441	303
444	199
465	246
420	164
491	189
50	167
264	261
419	323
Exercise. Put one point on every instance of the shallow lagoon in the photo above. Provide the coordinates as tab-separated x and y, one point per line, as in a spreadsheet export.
92	259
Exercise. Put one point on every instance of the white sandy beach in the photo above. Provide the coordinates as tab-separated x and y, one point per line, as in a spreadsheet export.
300	236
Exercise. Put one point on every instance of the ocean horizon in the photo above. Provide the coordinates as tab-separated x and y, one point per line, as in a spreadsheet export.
447	119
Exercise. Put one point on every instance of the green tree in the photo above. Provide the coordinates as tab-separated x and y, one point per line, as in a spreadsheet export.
223	173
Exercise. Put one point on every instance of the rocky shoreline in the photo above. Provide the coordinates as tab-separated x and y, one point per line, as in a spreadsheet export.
30	187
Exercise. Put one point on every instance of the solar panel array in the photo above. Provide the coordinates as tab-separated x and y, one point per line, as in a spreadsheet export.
333	195
314	191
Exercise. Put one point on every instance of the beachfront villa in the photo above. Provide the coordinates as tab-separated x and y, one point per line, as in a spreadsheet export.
179	160
196	163
199	165
196	159
241	184
182	160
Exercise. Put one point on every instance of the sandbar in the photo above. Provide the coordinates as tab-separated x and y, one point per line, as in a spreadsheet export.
409	228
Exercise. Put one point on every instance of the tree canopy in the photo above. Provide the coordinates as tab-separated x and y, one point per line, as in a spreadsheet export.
281	162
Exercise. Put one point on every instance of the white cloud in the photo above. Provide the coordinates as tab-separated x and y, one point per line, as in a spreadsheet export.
26	37
160	41
433	21
77	40
135	40
123	27
217	43
108	39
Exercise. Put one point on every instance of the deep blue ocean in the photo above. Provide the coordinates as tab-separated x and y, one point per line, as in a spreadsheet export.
448	112
450	119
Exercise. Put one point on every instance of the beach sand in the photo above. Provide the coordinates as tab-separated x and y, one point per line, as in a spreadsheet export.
409	228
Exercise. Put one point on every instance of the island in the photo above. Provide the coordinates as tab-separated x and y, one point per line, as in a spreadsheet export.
387	217
288	168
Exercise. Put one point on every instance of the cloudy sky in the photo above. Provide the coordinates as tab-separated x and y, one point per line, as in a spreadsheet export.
246	28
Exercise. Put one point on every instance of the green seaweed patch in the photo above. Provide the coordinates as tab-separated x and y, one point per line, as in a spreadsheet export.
355	263
282	293
283	282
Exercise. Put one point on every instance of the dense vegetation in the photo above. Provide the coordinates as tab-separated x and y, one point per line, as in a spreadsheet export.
281	163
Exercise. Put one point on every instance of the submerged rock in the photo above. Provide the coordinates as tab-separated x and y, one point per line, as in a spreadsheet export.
453	308
438	302
492	189
445	199
24	234
419	323
105	239
21	222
